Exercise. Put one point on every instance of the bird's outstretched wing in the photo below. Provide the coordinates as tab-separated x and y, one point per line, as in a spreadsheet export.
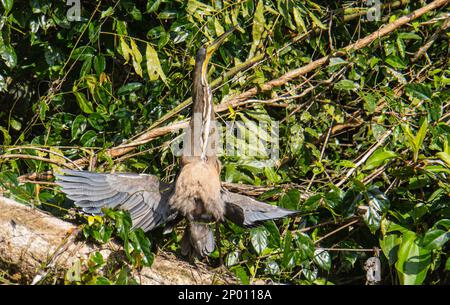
144	196
246	212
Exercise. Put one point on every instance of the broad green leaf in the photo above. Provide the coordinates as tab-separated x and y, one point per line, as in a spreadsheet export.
396	62
413	261
447	264
346	84
390	244
377	206
85	105
304	246
444	157
8	55
7	5
435	239
128	88
378	158
232	258
323	259
218	27
258	238
99	64
153	5
153	65
78	126
126	51
137	57
421	92
271	174
88	138
16	125
258	27
445	223
241	275
316	21
291	199
83	53
401	47
299	20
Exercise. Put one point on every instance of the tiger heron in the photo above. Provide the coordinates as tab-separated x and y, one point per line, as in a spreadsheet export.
196	195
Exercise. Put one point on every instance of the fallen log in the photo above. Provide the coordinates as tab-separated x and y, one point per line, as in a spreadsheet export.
34	243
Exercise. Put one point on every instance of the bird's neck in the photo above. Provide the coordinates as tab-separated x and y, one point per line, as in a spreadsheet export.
202	139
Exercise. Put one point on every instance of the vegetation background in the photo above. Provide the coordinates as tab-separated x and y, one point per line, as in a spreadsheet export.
364	139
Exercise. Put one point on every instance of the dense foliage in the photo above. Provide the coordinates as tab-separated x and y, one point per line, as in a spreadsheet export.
364	140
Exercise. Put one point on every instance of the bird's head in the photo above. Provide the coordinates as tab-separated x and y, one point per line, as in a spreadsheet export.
206	51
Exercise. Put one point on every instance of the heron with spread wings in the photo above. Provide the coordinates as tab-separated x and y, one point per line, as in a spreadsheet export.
196	195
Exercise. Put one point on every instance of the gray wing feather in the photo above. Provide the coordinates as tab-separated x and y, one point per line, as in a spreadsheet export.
144	196
247	212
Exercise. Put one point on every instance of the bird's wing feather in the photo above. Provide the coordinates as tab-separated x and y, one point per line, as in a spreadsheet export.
247	212
144	196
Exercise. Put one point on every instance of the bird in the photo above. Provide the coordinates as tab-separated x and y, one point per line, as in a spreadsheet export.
196	195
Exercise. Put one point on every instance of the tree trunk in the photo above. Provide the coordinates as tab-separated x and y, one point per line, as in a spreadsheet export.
34	244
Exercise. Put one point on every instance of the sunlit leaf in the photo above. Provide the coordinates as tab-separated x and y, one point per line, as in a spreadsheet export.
153	65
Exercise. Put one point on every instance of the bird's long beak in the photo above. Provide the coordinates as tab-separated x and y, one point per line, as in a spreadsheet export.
212	47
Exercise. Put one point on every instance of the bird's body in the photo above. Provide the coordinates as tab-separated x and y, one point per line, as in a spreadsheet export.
196	195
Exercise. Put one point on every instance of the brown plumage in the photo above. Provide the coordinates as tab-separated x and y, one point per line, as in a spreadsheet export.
196	195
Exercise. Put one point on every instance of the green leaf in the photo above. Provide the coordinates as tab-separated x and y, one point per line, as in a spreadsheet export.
78	126
107	13
447	264
444	157
378	158
242	275
128	88
390	245
290	200
88	138
232	258
413	261
258	27
153	5
126	51
85	105
16	125
409	36
304	246
323	259
421	92
377	206
8	55
346	84
258	238
137	57
99	64
153	65
299	20
445	223
7	5
396	62
418	141
6	136
271	174
435	239
316	21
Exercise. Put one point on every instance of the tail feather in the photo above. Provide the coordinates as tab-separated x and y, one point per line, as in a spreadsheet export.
198	240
